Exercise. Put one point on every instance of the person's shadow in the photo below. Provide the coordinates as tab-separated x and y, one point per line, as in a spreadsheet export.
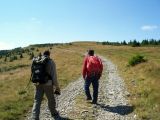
121	109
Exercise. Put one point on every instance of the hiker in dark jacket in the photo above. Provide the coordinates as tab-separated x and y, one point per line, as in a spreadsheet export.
92	71
48	88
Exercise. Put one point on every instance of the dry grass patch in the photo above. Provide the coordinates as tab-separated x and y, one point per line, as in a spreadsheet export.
141	80
15	101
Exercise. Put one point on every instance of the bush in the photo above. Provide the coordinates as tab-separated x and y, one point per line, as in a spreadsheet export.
21	55
31	56
12	58
70	44
26	50
5	59
136	60
32	48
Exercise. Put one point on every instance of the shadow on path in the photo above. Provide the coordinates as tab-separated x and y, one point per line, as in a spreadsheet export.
121	109
62	118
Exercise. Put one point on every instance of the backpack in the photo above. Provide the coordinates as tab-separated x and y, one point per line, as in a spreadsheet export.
94	66
38	70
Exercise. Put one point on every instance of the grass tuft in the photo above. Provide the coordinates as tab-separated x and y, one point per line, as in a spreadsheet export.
136	60
22	92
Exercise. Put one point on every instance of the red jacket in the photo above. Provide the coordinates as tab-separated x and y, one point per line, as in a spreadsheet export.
85	71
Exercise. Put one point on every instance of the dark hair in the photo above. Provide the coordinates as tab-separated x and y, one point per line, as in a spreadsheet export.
46	53
40	54
91	52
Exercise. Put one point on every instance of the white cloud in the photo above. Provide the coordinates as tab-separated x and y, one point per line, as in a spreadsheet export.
149	27
35	20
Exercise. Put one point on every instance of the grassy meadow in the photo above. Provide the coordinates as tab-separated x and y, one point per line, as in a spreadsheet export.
142	80
14	98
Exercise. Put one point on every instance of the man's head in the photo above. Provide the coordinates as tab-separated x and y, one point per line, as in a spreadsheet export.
40	54
91	52
46	53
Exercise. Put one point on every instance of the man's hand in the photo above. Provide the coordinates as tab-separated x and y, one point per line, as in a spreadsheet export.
84	77
57	92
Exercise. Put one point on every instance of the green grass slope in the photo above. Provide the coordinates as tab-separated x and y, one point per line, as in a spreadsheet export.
142	80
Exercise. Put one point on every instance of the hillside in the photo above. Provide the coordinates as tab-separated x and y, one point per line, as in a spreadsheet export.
142	80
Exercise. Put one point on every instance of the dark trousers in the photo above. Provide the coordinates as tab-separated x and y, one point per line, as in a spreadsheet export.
95	85
39	92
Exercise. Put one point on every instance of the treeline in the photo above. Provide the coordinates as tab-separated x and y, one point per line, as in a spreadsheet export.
134	43
11	55
18	53
13	51
49	44
45	45
24	50
15	54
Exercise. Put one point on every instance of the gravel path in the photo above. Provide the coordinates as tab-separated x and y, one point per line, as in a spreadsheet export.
112	102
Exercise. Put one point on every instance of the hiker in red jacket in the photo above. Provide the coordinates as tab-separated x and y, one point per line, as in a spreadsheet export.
92	71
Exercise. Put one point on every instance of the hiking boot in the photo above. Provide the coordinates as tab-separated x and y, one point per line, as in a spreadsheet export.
56	115
34	119
93	102
88	98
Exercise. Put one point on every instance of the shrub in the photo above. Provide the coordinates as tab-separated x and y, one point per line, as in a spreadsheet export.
12	58
5	59
26	50
21	55
136	60
15	57
31	56
70	44
32	48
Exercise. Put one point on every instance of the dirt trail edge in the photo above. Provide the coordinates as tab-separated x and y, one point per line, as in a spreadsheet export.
112	102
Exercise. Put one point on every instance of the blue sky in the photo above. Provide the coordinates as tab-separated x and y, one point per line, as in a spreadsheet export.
25	22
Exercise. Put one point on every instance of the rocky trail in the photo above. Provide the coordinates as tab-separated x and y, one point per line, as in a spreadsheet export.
112	99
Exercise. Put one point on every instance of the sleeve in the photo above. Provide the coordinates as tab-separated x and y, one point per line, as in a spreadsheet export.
53	73
101	65
84	70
